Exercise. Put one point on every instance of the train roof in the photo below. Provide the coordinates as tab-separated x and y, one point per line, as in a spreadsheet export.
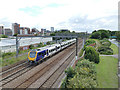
51	46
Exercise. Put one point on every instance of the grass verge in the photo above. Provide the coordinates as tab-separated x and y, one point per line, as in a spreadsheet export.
12	60
115	48
107	72
81	52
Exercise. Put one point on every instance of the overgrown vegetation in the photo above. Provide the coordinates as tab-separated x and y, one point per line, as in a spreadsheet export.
105	50
12	60
81	52
3	36
83	76
91	54
105	47
105	42
89	41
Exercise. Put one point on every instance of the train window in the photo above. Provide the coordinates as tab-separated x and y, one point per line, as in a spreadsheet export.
32	54
42	53
39	54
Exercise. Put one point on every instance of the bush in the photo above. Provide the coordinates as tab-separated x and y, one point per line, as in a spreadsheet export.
88	42
4	36
40	45
48	43
91	54
105	42
6	54
83	76
105	50
31	46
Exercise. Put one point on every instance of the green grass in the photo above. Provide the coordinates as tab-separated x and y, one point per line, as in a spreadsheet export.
107	72
115	48
12	60
81	52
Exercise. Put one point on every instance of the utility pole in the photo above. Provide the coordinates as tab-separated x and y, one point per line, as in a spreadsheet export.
76	47
17	47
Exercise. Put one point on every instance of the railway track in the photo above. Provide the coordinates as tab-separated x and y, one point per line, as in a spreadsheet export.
28	77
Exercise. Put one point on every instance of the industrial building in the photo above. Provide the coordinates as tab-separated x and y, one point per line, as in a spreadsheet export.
9	45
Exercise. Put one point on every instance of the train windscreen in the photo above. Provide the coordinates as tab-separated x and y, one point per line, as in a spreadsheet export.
32	54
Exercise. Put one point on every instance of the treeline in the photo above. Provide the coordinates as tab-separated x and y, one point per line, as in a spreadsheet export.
101	34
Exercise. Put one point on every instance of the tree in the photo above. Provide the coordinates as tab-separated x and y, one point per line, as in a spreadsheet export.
52	34
104	35
91	54
118	35
48	43
96	35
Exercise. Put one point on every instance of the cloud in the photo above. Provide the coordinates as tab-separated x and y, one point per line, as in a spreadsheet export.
72	14
81	24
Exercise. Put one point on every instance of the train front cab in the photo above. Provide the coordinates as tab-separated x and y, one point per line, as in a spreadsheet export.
32	56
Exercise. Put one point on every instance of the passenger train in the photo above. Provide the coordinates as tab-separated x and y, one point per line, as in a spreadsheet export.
36	55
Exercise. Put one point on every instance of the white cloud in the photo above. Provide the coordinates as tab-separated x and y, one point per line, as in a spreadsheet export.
47	16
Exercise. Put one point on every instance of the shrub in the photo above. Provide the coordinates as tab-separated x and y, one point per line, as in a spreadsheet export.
6	54
4	36
105	42
88	42
83	76
91	54
105	50
40	45
48	43
31	46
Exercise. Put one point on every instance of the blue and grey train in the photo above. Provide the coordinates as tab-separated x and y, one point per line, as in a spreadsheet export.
36	55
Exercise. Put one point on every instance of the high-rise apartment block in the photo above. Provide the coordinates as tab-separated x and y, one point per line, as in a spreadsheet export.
15	28
24	30
8	31
1	29
52	29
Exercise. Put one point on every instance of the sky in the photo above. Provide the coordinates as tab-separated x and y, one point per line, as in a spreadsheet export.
75	15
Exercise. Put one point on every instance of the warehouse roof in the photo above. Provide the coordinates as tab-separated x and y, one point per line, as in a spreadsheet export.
6	44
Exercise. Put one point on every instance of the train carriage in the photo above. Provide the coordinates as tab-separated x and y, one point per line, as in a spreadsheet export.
41	53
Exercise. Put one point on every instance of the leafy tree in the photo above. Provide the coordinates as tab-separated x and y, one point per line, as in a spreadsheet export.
104	35
91	54
52	34
96	35
118	35
100	34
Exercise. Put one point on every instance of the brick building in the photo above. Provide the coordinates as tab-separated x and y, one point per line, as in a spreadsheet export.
15	28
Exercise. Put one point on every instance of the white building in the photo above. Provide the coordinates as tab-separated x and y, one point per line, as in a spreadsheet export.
9	45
